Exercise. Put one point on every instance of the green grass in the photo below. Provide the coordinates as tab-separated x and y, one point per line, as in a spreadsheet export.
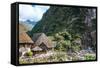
89	57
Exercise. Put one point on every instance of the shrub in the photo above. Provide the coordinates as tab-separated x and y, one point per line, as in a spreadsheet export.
30	54
66	41
76	48
89	57
58	37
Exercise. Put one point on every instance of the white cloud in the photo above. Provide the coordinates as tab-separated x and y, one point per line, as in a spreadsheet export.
28	12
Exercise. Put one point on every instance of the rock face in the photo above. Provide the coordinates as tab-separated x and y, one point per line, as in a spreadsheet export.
87	36
80	21
93	35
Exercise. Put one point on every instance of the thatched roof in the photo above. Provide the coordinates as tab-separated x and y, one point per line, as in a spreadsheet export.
24	38
40	38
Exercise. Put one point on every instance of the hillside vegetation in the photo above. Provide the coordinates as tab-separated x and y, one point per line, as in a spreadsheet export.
69	24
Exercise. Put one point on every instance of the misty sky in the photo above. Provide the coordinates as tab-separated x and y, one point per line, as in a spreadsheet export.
30	14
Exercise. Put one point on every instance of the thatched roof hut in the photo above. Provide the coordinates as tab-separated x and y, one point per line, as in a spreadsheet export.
42	41
24	38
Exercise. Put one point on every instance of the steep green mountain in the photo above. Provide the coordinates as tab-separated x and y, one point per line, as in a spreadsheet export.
56	19
74	20
61	19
